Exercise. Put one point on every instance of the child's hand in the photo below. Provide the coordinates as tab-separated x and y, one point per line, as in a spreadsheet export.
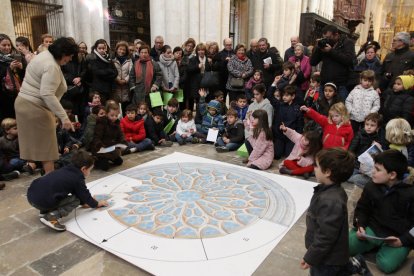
377	144
102	203
283	127
226	140
202	92
393	241
184	136
161	141
304	265
192	130
66	150
277	78
361	233
304	108
75	147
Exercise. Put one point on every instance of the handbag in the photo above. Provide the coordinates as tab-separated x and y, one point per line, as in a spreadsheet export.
210	79
237	83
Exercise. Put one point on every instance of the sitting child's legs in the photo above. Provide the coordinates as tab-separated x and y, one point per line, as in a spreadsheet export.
17	163
296	169
145	144
389	259
357	246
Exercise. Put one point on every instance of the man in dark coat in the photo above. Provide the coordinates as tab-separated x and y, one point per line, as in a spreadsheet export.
156	50
224	56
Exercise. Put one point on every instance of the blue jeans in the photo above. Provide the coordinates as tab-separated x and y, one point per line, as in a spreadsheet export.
141	146
181	139
16	163
229	146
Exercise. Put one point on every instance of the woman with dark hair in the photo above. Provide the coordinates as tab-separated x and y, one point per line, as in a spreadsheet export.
169	68
178	53
240	70
38	103
370	61
101	69
23	45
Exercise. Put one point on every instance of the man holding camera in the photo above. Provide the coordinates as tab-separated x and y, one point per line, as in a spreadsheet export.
338	55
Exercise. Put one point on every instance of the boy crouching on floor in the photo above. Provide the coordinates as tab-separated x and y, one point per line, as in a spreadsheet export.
58	193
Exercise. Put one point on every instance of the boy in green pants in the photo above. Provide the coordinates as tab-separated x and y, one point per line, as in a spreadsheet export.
386	210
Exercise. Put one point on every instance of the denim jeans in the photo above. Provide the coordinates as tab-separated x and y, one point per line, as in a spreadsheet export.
181	139
229	146
141	146
16	163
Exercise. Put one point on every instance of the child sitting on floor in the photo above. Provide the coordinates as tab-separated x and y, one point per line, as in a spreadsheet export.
186	128
233	136
155	129
259	145
58	193
211	116
302	157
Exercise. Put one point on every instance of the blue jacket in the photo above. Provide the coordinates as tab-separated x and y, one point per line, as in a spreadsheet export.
48	190
210	121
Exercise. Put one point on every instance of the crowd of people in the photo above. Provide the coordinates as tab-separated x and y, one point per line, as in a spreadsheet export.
315	110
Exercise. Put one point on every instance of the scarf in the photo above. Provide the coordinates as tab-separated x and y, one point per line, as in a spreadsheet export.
103	58
6	58
203	62
166	61
121	59
242	57
149	73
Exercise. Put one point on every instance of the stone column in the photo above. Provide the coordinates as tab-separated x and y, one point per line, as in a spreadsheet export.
6	20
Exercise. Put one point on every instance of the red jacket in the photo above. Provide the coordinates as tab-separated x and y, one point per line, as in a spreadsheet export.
133	130
333	136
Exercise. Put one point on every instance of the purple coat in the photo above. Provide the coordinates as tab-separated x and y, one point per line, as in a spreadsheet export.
306	70
263	152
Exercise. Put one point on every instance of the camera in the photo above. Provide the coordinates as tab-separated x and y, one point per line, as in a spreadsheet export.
323	42
17	57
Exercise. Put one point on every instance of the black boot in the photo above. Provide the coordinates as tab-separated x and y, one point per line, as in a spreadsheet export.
102	164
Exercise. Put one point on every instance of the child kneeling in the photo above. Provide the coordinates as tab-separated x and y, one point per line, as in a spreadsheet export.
386	210
58	193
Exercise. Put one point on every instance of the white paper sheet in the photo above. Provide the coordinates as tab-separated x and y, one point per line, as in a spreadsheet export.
212	135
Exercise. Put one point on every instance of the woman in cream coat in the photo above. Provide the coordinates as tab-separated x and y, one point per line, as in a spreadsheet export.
38	103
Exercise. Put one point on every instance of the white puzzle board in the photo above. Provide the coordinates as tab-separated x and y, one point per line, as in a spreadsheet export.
186	215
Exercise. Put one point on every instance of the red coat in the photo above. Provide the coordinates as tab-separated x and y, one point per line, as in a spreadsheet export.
133	130
333	136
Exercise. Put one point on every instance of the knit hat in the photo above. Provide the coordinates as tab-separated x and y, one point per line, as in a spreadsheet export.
407	80
214	104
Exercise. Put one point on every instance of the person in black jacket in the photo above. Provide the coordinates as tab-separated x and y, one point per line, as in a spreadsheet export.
326	237
233	136
385	210
268	62
338	57
102	69
155	129
58	193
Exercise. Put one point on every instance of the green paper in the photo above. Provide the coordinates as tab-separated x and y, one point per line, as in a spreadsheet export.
156	99
167	96
242	151
179	95
169	126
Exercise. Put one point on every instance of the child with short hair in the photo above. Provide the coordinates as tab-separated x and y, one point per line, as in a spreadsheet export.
302	157
362	141
97	112
9	146
398	101
241	106
171	112
259	145
326	238
143	111
108	133
155	129
211	115
68	107
95	100
287	78
385	210
233	136
58	193
257	78
286	112
337	131
219	96
186	128
134	131
362	100
312	94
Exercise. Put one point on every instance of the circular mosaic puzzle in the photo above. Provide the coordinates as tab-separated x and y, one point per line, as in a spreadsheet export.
199	200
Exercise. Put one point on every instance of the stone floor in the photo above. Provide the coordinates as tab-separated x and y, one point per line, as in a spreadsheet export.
29	248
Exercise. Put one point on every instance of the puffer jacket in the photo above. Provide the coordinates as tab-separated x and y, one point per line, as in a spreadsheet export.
333	136
398	105
133	130
122	91
361	102
326	238
210	121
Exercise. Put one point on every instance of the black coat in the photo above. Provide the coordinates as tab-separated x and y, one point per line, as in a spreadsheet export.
394	65
154	131
48	190
398	105
387	211
234	132
106	134
362	141
326	238
103	75
194	76
274	69
337	63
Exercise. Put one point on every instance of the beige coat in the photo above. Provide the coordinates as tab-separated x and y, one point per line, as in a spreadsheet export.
122	91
